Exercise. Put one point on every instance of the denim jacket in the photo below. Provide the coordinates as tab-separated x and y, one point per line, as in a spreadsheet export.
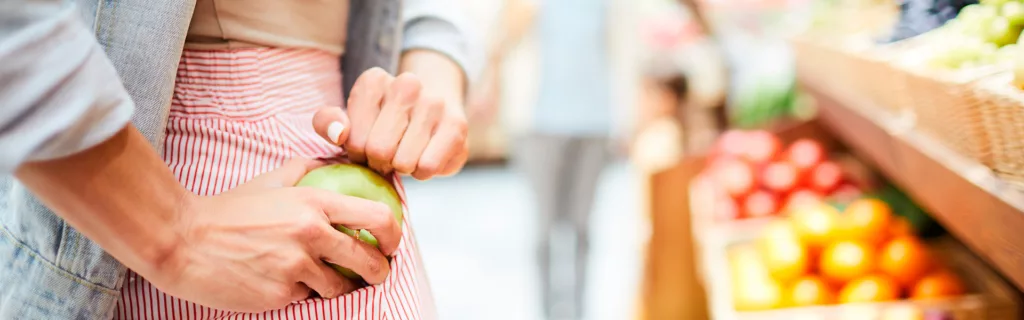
48	270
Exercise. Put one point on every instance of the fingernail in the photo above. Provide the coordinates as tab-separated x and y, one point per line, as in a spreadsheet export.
334	131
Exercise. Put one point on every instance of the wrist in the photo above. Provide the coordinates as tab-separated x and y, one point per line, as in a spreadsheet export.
440	75
168	255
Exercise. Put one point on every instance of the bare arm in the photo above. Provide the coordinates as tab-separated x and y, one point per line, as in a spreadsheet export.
119	194
255	248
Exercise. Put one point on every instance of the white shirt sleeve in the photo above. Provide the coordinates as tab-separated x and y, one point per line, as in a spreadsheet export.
59	94
440	25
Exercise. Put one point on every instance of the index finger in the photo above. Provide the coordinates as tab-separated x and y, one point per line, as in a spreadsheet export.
357	213
363	107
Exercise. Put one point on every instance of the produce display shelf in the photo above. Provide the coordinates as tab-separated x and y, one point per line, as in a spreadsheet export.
973	204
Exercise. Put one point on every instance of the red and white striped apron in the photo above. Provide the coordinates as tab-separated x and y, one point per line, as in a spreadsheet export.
239	113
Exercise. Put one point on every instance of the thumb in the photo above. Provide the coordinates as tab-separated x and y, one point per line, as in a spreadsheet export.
331	123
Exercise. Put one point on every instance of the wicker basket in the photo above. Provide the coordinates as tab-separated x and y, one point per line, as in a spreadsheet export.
946	108
1002	112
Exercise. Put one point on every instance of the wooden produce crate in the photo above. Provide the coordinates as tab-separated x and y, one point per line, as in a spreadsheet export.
988	298
701	194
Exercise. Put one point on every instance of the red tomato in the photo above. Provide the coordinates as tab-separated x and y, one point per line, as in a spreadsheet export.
805	154
730	143
779	177
762	146
761	203
734	176
825	177
801	197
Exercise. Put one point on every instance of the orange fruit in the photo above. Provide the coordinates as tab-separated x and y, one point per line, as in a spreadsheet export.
938	284
809	291
906	259
871	288
745	264
760	294
900	226
786	259
865	220
846	260
814	224
778	230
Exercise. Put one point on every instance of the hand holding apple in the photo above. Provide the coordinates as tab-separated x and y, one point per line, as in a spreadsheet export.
360	182
268	241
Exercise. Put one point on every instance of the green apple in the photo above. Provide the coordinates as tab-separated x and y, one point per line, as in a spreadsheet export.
1014	12
360	182
993	3
1000	32
987	54
977	13
974	19
959	52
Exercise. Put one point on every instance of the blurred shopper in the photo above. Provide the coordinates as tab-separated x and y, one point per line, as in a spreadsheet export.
147	179
568	144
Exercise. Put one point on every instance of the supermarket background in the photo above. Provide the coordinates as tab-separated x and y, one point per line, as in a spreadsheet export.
800	159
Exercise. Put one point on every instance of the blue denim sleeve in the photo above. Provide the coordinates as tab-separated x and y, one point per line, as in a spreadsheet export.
59	94
439	25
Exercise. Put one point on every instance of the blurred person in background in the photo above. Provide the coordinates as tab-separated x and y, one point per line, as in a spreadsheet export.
567	146
684	82
149	152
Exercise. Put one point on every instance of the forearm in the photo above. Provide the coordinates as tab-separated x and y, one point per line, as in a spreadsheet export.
439	74
119	194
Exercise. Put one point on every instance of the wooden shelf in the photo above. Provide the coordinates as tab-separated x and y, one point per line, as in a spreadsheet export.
977	207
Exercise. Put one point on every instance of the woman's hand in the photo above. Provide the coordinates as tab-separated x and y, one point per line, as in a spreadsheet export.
263	244
399	124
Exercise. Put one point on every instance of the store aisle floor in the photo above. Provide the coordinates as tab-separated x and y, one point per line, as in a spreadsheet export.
475	235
